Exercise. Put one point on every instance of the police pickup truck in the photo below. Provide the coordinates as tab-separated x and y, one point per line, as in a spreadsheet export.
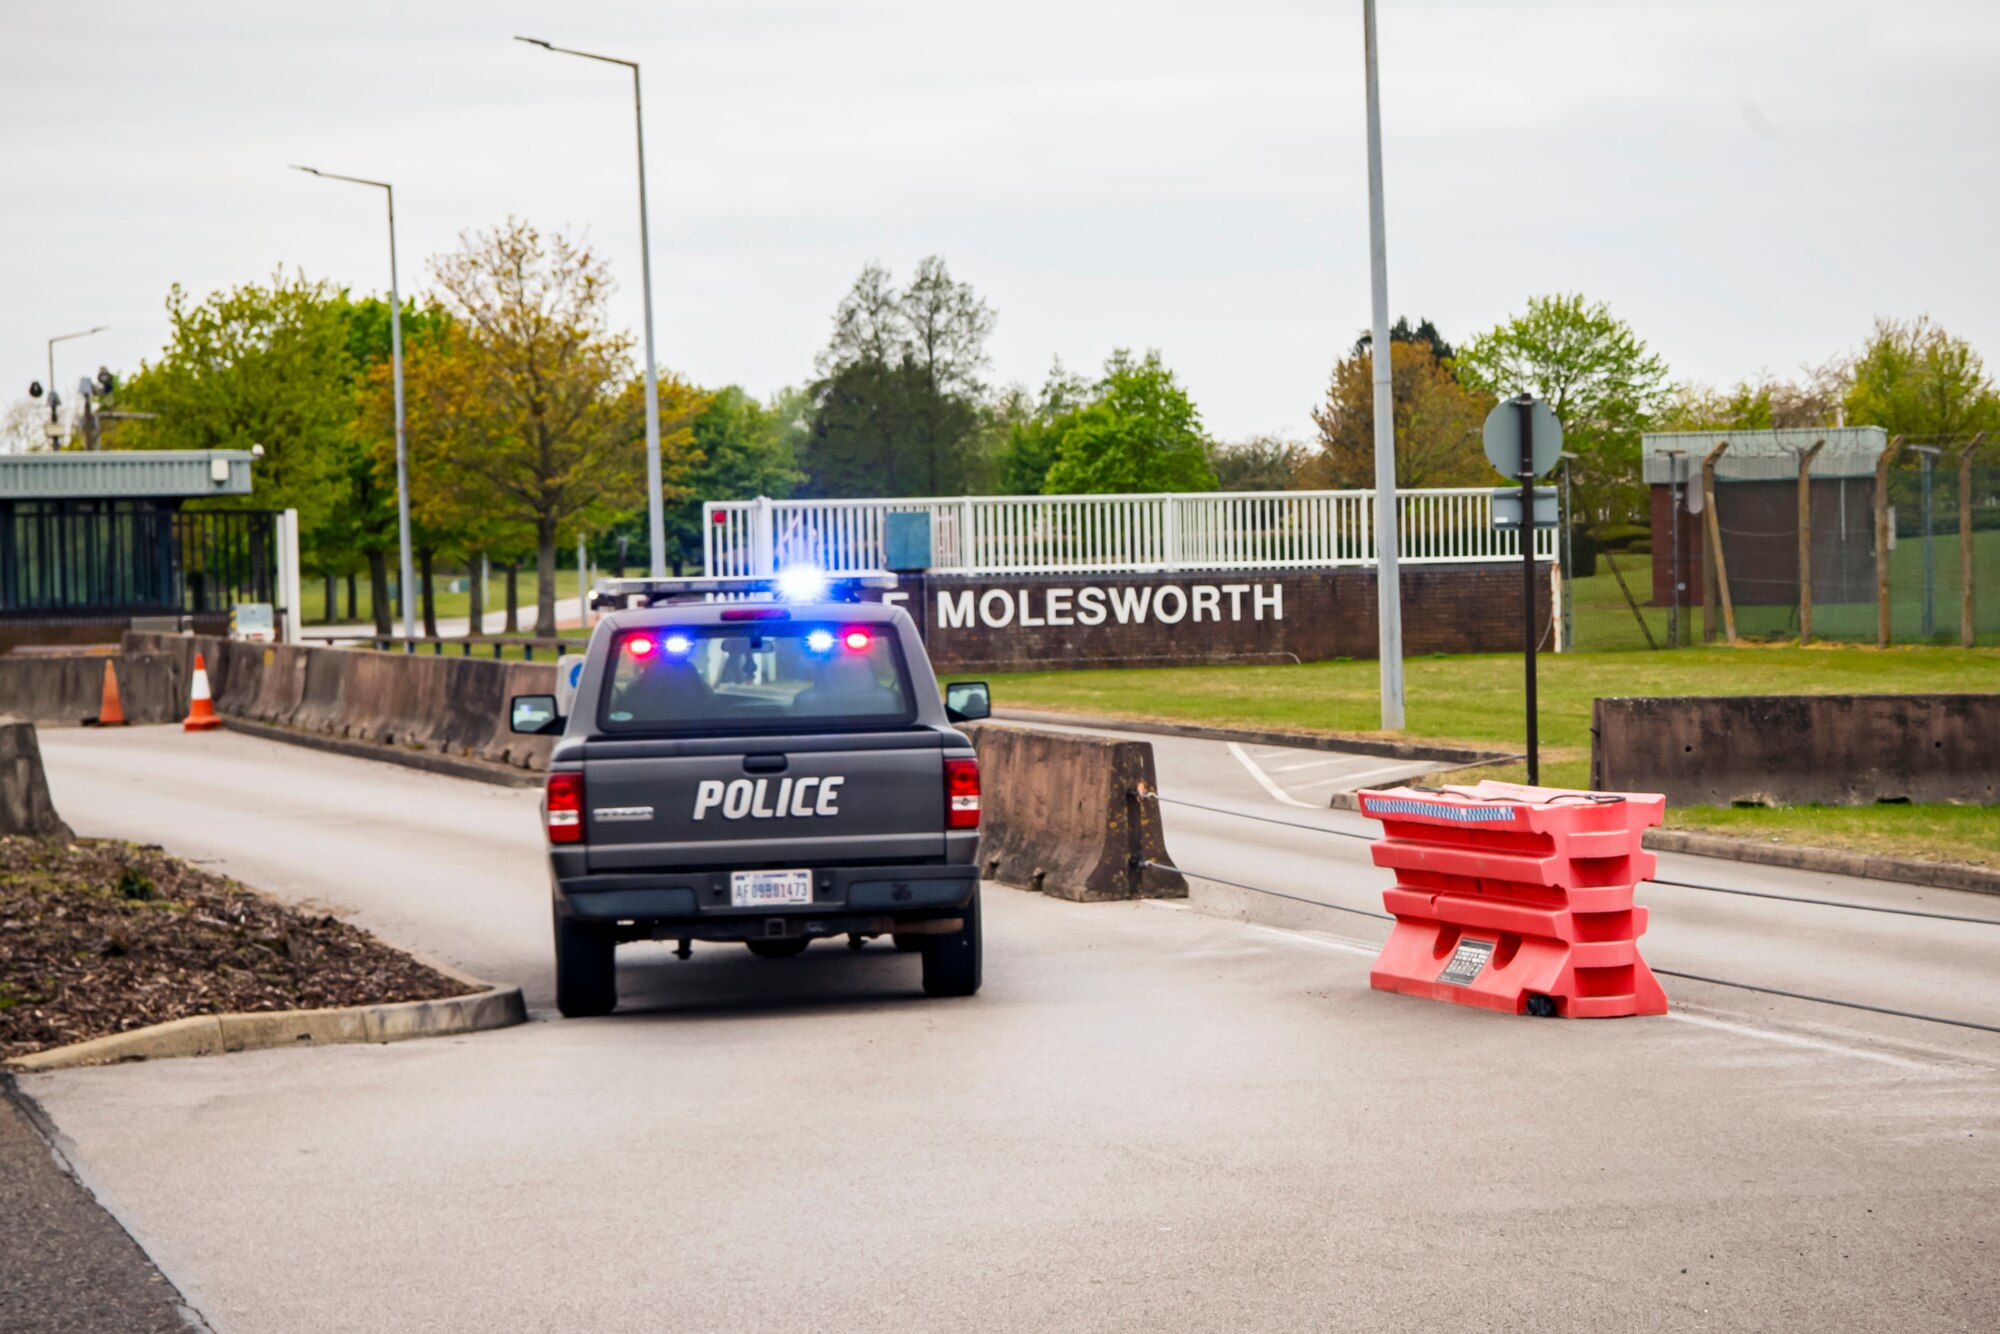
759	761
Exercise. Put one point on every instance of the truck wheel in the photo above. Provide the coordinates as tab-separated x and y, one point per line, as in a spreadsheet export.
952	963
787	947
586	969
908	942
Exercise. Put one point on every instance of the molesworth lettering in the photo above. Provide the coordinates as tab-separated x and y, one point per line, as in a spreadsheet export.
1166	604
758	799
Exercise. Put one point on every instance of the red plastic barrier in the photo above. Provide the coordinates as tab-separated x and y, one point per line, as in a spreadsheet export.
1517	898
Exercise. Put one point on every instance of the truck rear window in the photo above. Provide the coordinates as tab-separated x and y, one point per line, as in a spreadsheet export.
683	678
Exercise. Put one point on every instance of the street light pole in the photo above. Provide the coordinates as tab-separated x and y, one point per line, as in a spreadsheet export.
1388	582
405	577
63	338
656	529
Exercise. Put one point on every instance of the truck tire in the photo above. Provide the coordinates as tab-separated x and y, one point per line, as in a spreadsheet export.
586	969
784	947
952	963
907	942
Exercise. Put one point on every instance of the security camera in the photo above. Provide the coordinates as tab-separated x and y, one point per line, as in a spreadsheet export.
34	389
256	451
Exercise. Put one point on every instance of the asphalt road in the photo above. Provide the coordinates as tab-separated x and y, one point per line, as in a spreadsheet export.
1151	1118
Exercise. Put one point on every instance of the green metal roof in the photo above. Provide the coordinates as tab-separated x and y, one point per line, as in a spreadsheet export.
125	474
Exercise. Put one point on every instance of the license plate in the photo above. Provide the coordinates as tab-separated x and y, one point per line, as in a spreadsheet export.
763	889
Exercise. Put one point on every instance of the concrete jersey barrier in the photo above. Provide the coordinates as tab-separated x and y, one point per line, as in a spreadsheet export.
25	807
1071	815
446	706
1833	750
69	688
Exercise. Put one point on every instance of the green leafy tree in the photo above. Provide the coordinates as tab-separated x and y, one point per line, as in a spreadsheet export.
1763	404
1033	428
741	449
1140	432
897	407
537	417
1403	332
1916	380
360	528
1596	374
1438	423
1261	463
269	365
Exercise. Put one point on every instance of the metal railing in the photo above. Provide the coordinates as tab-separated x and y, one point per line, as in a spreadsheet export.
1068	534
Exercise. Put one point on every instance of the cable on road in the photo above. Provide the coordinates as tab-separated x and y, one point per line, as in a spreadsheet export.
1831	903
1677	884
1662	972
1274	893
1828	1000
1263	819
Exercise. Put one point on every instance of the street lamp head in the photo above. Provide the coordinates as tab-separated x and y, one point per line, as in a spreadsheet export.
536	41
312	171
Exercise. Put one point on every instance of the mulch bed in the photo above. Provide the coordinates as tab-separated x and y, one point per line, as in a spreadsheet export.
99	936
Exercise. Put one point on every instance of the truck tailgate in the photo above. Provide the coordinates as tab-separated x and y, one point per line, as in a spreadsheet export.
765	804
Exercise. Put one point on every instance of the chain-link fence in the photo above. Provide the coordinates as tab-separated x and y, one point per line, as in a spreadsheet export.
1849	550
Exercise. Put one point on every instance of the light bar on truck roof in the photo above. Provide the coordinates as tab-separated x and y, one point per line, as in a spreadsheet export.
786	585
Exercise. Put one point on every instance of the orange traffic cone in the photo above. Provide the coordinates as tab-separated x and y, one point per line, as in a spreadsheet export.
110	712
201	710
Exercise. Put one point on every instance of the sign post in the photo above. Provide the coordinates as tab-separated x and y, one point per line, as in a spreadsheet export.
1523	440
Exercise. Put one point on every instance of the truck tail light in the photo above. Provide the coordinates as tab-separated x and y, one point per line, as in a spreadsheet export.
564	804
961	794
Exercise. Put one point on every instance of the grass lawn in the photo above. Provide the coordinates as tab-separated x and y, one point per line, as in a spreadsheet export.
508	652
1476	701
312	597
1600	617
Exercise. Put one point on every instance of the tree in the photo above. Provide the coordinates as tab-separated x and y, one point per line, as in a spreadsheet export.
1438	423
1140	432
741	449
1033	429
1401	332
1599	378
256	365
1915	380
1763	404
539	415
361	527
897	404
1261	463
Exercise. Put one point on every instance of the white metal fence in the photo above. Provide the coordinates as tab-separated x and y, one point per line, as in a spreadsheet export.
1067	534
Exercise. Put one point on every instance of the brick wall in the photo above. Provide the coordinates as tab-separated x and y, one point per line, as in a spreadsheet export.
1044	622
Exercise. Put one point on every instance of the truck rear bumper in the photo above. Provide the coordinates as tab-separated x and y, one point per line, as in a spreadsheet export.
703	896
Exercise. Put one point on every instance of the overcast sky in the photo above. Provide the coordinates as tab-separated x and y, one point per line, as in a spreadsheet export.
1748	184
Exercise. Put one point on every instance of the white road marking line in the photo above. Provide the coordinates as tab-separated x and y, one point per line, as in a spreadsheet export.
1309	764
1301	938
1264	780
1404	770
1792	1040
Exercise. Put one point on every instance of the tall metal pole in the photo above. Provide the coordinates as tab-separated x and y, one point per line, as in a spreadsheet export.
656	525
405	574
1388	584
1525	407
406	577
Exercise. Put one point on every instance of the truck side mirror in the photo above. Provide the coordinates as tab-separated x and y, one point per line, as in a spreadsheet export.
534	715
967	701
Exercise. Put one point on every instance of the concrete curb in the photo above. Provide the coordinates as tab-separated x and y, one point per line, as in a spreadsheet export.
479	771
1395	750
1798	857
210	1034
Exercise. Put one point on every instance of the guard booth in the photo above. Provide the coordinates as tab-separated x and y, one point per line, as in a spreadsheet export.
92	542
